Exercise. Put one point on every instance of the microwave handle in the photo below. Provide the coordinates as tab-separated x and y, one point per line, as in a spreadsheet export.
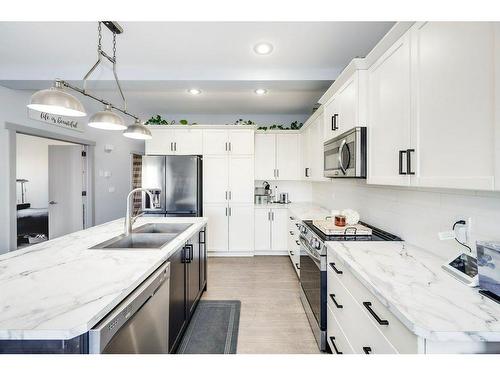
342	145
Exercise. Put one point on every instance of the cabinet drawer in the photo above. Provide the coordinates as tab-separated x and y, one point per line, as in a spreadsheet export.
396	332
336	339
361	332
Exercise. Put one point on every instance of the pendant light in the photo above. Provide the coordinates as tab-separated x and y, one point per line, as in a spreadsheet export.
137	131
107	120
57	101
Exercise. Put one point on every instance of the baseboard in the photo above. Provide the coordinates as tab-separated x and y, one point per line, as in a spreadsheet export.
268	252
230	254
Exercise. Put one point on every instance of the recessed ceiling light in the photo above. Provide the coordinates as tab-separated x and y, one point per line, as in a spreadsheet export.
261	91
263	48
194	91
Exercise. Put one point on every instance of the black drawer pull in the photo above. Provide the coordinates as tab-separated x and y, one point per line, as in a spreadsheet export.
291	253
338	272
367	349
332	296
297	242
408	161
382	322
332	339
291	233
297	266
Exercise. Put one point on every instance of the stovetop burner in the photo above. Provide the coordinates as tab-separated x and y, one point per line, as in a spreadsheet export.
377	234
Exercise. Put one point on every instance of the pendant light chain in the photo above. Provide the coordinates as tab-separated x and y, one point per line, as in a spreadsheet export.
114	46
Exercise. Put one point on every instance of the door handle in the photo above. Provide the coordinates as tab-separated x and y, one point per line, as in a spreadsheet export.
226	211
297	265
226	194
367	349
382	322
306	172
408	161
52	202
229	146
401	153
334	122
229	211
337	305
229	194
226	146
272	215
297	242
332	340
338	272
175	146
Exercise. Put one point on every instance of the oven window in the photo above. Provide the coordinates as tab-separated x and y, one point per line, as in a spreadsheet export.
310	280
332	159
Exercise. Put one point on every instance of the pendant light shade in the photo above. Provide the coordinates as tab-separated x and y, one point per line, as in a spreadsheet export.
137	131
107	120
57	102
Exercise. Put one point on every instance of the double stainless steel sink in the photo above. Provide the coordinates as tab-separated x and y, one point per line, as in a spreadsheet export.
146	237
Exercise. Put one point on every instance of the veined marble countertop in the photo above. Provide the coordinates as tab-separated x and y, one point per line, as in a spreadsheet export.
409	281
60	289
302	210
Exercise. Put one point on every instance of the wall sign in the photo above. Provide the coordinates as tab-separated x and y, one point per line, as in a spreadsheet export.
72	123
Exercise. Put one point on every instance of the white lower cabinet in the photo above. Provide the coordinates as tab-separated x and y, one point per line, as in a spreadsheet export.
357	321
271	230
230	228
293	242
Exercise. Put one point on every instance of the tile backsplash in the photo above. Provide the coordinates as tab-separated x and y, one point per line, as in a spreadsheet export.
416	215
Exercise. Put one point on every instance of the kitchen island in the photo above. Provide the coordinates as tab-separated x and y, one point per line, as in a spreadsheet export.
60	289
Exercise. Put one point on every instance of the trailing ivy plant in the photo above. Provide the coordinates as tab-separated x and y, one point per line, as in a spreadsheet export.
158	120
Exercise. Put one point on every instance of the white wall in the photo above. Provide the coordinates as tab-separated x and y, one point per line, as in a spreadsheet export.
298	191
32	164
108	206
416	215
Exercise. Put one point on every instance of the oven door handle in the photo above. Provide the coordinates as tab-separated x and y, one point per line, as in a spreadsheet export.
309	252
341	148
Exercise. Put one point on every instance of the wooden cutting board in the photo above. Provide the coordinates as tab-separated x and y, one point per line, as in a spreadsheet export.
329	228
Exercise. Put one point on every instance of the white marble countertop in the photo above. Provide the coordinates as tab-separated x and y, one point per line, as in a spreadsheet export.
409	281
301	210
60	289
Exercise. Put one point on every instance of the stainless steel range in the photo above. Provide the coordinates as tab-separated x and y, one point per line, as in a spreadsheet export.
313	271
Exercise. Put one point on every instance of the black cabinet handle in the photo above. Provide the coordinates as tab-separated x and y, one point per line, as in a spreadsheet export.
408	161
382	322
401	153
332	339
367	349
334	121
297	242
291	233
332	296
291	253
297	266
188	253
306	172
338	272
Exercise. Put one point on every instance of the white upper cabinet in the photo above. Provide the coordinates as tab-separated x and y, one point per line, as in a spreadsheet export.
228	142
453	67
241	179
347	108
389	115
241	142
188	142
277	156
265	154
161	143
305	160
287	156
175	142
316	150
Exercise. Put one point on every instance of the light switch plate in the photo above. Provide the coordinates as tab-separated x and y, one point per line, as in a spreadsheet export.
111	189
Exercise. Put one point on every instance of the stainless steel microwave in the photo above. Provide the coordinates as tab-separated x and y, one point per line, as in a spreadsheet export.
345	155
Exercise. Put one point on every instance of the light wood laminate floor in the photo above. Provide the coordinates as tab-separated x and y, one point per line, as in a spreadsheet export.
272	318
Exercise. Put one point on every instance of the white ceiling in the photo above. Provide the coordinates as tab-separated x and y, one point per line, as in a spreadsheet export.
159	61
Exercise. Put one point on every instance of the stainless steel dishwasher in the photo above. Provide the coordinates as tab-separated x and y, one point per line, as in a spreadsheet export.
139	324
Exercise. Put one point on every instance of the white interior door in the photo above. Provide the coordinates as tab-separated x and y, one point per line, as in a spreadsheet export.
241	180
215	179
241	227
65	190
287	156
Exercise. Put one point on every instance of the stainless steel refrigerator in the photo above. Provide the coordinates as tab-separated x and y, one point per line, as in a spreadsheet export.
176	185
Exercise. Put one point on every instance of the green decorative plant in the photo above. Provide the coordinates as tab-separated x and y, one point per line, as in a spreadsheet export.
158	120
244	122
295	125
